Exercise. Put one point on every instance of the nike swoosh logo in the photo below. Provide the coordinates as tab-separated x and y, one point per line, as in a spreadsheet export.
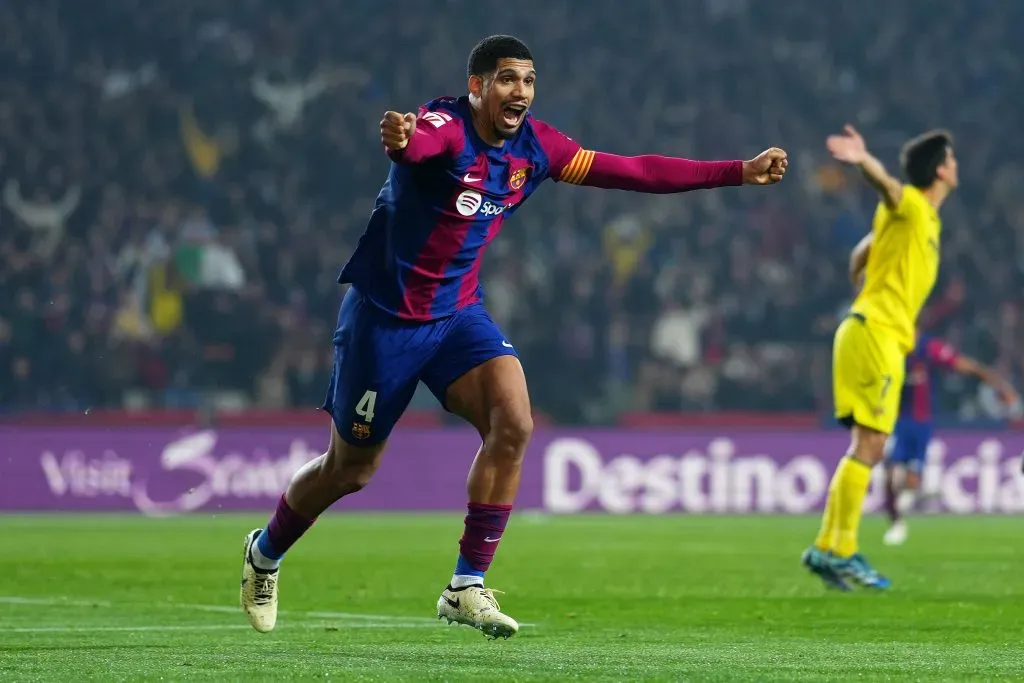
470	179
506	345
453	603
488	539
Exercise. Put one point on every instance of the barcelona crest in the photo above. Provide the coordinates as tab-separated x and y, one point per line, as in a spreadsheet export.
517	179
360	431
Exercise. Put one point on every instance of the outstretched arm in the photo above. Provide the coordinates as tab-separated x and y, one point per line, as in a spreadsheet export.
849	148
944	355
652	173
969	366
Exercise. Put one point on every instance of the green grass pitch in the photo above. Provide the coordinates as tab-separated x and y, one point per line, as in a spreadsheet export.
601	598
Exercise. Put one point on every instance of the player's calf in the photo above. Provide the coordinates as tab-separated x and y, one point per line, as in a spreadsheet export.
834	556
318	484
493	398
901	494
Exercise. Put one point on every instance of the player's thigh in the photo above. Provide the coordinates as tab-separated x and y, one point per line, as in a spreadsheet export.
901	445
376	368
476	374
868	371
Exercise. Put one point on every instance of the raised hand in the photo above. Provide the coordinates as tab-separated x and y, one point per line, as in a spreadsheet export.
766	168
396	130
847	146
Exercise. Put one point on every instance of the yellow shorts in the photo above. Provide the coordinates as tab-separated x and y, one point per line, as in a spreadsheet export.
868	368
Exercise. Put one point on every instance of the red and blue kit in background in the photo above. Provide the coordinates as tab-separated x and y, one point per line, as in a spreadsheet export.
914	428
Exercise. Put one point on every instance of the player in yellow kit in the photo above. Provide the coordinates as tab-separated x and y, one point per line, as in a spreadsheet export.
898	262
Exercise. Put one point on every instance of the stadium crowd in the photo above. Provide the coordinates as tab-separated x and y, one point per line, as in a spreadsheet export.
181	182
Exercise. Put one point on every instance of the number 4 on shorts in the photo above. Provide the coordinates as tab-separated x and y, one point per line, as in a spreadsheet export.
364	408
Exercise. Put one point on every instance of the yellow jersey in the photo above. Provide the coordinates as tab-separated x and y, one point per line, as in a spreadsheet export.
902	265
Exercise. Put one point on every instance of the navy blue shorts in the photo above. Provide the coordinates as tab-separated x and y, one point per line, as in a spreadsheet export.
908	445
379	360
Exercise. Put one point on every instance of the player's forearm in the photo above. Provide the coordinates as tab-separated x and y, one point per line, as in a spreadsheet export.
874	172
991	378
653	174
859	259
422	146
969	366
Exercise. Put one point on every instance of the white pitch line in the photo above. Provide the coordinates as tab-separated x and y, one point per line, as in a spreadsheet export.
15	600
202	627
225	609
350	619
125	629
345	616
222	609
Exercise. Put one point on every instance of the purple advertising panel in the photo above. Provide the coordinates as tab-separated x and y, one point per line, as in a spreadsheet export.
168	472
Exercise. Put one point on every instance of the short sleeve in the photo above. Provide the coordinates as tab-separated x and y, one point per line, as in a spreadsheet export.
940	353
567	160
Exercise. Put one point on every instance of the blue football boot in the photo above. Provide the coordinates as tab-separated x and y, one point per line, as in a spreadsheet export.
820	562
856	568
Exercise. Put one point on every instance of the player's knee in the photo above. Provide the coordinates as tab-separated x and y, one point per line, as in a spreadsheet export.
510	433
869	445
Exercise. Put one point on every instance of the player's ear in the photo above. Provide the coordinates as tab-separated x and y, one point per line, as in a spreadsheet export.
476	86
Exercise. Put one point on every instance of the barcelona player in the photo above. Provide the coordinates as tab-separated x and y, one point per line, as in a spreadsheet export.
460	168
901	263
908	446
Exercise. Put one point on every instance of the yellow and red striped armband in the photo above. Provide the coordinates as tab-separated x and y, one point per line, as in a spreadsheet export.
578	167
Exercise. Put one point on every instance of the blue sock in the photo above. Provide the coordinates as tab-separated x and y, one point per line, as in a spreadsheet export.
466	575
267	548
265	555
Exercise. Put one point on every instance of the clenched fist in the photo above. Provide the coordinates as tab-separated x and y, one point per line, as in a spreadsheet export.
766	168
396	130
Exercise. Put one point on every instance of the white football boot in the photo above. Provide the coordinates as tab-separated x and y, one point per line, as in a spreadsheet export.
476	606
896	534
259	590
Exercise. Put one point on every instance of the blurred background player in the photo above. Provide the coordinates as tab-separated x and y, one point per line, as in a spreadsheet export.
900	260
908	446
461	166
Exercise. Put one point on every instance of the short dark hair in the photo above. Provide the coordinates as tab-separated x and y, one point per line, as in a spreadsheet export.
922	156
484	57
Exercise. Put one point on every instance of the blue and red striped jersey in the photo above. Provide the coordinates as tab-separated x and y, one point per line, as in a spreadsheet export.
445	198
923	363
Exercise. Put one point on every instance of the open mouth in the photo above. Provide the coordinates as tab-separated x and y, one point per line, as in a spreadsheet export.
513	114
